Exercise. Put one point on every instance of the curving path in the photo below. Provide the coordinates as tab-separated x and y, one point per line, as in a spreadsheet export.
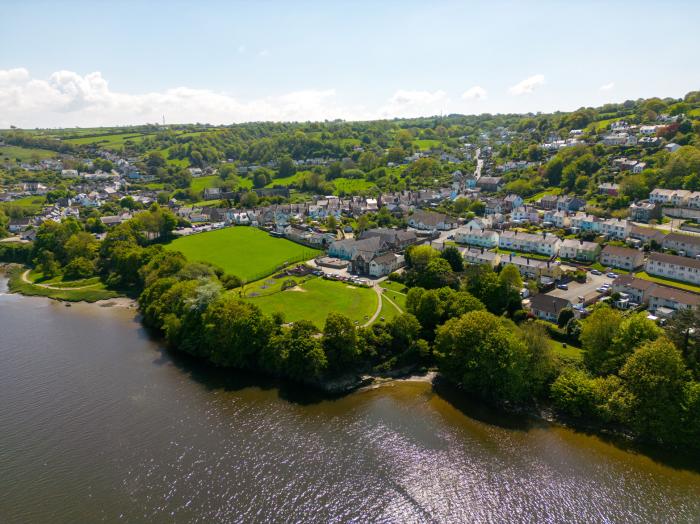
26	279
378	291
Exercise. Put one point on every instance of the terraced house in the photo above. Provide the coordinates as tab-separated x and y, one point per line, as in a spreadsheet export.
544	244
477	237
621	257
674	267
580	250
684	245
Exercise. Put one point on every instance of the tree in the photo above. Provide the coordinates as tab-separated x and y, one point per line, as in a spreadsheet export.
510	278
260	179
79	267
331	223
565	315
362	223
597	334
454	258
286	167
541	362
633	331
654	378
436	274
81	244
249	199
305	360
339	343
480	352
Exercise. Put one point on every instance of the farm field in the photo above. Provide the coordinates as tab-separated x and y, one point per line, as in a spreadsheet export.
424	144
315	298
30	204
25	154
204	182
246	252
112	141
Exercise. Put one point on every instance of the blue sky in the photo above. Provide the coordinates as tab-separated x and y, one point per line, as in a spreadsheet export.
65	63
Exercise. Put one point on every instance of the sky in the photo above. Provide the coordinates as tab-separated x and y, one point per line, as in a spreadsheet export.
84	63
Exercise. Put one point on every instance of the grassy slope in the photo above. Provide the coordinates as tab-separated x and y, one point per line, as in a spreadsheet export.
243	251
93	293
25	154
569	352
30	204
319	298
668	282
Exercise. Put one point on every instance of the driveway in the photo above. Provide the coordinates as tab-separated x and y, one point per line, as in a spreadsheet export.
586	290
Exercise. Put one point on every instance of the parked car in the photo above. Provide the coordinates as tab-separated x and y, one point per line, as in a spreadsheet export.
596	272
611	275
563	286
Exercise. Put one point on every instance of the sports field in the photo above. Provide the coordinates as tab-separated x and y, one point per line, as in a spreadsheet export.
315	298
246	252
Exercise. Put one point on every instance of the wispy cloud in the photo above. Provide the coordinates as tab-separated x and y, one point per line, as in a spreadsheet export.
608	86
528	85
407	103
241	49
264	52
474	93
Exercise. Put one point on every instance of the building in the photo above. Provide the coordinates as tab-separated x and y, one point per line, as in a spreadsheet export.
548	202
382	265
490	184
347	249
397	239
647	234
477	237
674	267
664	301
481	256
548	307
615	228
533	268
636	288
644	211
684	245
427	220
621	257
580	250
608	188
570	204
544	244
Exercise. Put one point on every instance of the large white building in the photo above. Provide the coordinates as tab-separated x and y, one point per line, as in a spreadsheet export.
544	244
674	267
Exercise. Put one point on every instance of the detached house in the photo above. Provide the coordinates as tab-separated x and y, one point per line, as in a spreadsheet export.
548	307
382	265
348	249
479	257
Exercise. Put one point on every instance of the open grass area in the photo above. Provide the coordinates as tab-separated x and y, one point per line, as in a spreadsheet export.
204	182
96	291
315	298
24	154
387	312
424	144
246	252
108	141
668	282
395	292
352	185
567	351
30	205
537	196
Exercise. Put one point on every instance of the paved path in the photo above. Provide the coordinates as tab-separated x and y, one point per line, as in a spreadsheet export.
25	279
378	291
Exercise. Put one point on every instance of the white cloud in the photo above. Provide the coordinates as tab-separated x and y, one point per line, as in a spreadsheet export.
264	52
528	85
407	103
69	99
607	87
474	93
241	49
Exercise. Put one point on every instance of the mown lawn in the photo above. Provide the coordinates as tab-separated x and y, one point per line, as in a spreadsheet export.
426	143
667	282
246	252
395	292
387	312
316	298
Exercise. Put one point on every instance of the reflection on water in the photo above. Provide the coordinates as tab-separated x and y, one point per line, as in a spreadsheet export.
98	423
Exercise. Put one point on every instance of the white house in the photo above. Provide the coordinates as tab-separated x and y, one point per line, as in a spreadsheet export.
674	267
544	244
477	237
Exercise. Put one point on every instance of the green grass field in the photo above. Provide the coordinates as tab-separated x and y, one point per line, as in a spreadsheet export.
24	154
426	143
204	182
30	204
569	352
246	252
108	141
318	297
387	312
395	291
352	185
667	282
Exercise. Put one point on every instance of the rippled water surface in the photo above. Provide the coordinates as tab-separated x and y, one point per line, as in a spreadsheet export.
97	423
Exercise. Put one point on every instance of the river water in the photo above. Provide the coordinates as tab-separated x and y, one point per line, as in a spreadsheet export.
99	423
